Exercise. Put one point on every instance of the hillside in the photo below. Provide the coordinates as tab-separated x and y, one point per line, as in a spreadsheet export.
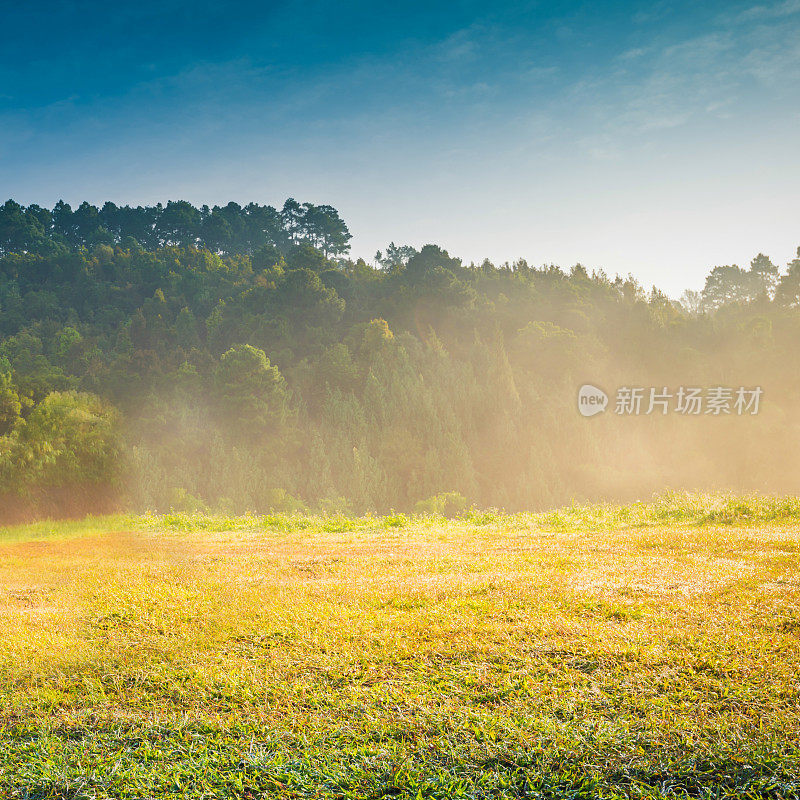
236	359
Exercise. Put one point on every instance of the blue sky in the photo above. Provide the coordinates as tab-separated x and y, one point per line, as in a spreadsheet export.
653	138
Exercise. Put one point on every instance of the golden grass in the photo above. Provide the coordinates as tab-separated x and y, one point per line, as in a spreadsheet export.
500	634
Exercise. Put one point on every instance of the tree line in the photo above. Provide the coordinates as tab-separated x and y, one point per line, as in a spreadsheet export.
226	230
732	284
158	367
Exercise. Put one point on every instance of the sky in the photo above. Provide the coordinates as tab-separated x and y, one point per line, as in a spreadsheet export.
657	139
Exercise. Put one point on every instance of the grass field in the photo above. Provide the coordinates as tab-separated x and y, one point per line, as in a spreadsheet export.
640	651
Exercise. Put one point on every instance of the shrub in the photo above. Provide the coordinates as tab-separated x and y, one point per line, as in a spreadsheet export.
446	504
70	438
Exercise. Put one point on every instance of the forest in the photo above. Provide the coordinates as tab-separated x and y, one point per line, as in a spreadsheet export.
236	359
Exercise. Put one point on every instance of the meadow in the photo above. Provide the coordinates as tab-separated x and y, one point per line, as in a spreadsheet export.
650	650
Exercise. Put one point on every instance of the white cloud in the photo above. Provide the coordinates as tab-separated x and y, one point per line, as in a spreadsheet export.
774	11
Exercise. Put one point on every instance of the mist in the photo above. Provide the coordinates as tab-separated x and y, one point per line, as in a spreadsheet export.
237	358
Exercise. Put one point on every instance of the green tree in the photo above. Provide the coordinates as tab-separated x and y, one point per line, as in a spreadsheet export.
764	274
429	258
396	256
10	404
186	329
788	291
326	230
179	224
728	284
69	438
251	391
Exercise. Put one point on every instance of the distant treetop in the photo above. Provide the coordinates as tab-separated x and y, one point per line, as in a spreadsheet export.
227	230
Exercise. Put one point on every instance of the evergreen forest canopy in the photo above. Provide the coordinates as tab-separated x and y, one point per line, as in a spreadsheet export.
236	358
